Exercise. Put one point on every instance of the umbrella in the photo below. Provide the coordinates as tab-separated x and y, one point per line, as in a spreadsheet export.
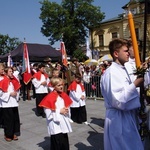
90	62
147	58
105	58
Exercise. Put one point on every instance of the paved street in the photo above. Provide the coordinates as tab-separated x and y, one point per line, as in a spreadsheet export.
34	134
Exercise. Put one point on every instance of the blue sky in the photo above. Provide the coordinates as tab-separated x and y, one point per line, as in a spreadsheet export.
20	18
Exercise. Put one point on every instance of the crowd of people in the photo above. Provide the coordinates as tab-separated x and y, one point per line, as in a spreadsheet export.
52	103
60	94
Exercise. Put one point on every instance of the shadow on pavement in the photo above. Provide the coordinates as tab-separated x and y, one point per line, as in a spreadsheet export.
45	145
34	110
92	139
99	122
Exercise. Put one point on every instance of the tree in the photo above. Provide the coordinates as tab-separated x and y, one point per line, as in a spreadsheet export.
8	44
72	18
78	53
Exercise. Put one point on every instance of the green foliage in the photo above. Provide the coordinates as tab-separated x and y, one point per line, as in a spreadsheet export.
8	44
72	19
78	53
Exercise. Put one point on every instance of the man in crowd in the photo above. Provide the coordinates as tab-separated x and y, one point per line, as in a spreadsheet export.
48	66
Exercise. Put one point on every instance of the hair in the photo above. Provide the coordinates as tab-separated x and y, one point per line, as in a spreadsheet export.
55	70
40	66
129	42
7	68
57	64
116	44
55	81
78	75
2	65
87	68
35	64
74	59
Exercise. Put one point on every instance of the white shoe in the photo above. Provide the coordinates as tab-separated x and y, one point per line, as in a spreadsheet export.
86	123
70	120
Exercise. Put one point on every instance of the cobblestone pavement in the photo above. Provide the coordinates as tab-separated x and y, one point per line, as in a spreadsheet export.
34	134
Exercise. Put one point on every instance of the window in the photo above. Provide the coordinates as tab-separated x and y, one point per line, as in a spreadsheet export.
134	11
101	40
114	35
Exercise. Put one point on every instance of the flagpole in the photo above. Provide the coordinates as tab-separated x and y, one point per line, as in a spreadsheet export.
66	72
26	70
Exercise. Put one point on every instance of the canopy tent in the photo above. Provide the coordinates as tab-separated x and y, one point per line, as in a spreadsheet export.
106	57
90	62
37	53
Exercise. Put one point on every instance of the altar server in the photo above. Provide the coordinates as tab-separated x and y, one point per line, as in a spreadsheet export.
9	96
56	106
121	99
40	81
78	96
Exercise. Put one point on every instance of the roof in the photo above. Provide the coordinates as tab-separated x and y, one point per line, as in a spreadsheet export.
134	2
37	52
119	17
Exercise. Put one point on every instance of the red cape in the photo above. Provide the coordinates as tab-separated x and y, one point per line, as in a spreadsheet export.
73	86
38	75
5	83
50	100
49	84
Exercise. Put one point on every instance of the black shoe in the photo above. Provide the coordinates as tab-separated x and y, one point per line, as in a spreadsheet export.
38	115
44	116
1	126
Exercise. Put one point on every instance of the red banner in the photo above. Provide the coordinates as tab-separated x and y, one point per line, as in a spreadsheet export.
64	55
26	65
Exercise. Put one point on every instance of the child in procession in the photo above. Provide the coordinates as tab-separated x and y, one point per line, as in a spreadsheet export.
55	73
77	94
40	81
9	91
56	106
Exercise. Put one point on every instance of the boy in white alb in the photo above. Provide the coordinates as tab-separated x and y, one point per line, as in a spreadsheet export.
9	91
55	74
40	81
121	100
77	94
56	106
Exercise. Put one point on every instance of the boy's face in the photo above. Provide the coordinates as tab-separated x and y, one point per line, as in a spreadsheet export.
42	69
55	73
122	55
1	70
35	67
78	80
59	87
10	73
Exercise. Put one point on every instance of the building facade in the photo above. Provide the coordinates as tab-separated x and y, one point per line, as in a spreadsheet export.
118	27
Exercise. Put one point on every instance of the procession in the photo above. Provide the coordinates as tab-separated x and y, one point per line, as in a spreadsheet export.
47	82
93	96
